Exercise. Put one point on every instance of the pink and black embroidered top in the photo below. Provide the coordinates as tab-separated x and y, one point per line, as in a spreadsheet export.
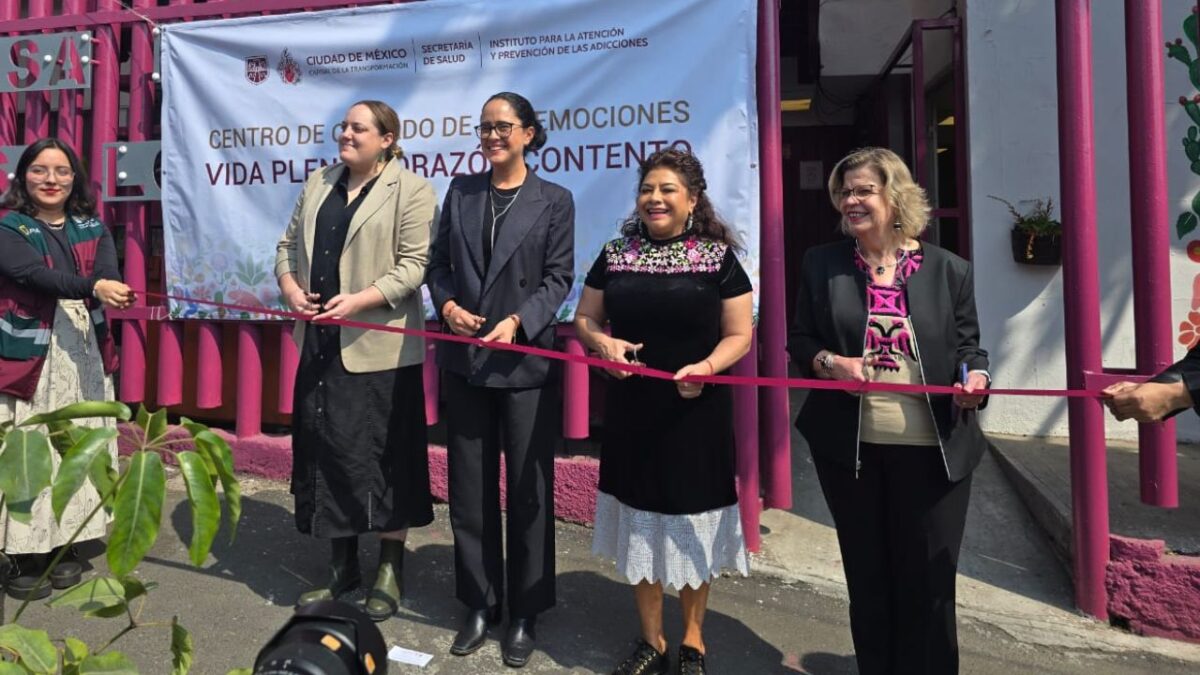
888	417
661	452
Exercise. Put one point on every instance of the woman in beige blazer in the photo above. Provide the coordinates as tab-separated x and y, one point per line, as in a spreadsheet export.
356	248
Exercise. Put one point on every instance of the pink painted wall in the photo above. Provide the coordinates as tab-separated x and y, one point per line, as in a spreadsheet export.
1157	594
575	478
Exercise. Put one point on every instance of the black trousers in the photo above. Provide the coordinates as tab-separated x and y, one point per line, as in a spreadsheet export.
900	527
522	424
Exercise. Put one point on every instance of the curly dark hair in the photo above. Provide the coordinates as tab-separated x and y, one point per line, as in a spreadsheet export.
705	221
81	203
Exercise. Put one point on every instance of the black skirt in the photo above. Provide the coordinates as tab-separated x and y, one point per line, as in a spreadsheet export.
360	452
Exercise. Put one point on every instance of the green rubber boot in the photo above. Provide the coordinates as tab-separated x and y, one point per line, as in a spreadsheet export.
384	599
344	572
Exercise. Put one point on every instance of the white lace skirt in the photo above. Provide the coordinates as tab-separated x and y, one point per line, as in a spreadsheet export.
675	550
73	372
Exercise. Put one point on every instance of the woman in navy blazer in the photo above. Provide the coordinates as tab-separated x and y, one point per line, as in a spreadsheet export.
502	262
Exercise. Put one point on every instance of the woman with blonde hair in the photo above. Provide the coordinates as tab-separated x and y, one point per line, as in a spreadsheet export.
895	468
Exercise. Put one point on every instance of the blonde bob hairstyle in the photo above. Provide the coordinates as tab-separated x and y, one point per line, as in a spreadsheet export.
903	195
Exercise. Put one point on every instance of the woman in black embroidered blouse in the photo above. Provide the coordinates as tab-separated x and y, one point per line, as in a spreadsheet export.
676	299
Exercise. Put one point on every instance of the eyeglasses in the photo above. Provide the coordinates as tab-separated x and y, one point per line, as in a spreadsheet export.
859	192
40	173
502	129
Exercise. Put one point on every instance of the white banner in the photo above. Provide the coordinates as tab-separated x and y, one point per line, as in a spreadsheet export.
249	107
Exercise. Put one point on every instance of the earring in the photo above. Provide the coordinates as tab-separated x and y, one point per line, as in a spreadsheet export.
690	223
896	225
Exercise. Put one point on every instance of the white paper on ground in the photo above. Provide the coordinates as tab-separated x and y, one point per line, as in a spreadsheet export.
409	656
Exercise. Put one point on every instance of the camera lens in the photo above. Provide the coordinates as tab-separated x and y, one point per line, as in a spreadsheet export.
325	638
311	649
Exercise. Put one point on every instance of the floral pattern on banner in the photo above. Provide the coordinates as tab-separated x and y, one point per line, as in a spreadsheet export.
228	276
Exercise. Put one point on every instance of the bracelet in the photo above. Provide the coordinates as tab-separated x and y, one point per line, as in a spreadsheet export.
515	319
712	370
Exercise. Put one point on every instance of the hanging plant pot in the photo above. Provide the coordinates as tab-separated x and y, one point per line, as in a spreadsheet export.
1029	248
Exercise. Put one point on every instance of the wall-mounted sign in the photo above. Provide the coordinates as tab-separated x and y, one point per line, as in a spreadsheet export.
812	175
42	62
136	168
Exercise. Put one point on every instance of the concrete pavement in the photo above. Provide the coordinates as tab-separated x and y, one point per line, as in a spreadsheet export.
1010	576
763	624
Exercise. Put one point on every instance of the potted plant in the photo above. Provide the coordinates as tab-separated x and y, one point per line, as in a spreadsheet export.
1036	234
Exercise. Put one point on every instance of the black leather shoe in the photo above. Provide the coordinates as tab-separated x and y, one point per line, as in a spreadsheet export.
691	661
645	660
517	646
474	631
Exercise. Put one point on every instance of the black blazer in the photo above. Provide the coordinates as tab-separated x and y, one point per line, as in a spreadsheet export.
531	272
1186	370
831	313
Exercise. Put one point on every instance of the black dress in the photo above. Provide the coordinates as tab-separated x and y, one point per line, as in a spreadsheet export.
360	452
661	452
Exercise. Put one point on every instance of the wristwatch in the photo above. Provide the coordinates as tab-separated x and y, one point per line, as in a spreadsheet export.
825	360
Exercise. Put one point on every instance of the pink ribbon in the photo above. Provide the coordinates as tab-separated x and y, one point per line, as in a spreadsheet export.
735	380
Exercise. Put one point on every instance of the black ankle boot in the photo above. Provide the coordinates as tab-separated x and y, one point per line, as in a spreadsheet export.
474	631
344	572
517	646
384	598
68	572
25	580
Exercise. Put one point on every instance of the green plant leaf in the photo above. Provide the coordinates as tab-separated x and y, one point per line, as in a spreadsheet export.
108	663
104	476
215	447
136	588
1189	28
7	668
32	647
137	513
195	428
240	671
154	425
74	651
94	596
64	434
4	427
206	510
76	465
182	649
25	470
81	410
1185	224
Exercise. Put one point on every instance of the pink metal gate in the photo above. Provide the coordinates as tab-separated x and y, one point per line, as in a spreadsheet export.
120	110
